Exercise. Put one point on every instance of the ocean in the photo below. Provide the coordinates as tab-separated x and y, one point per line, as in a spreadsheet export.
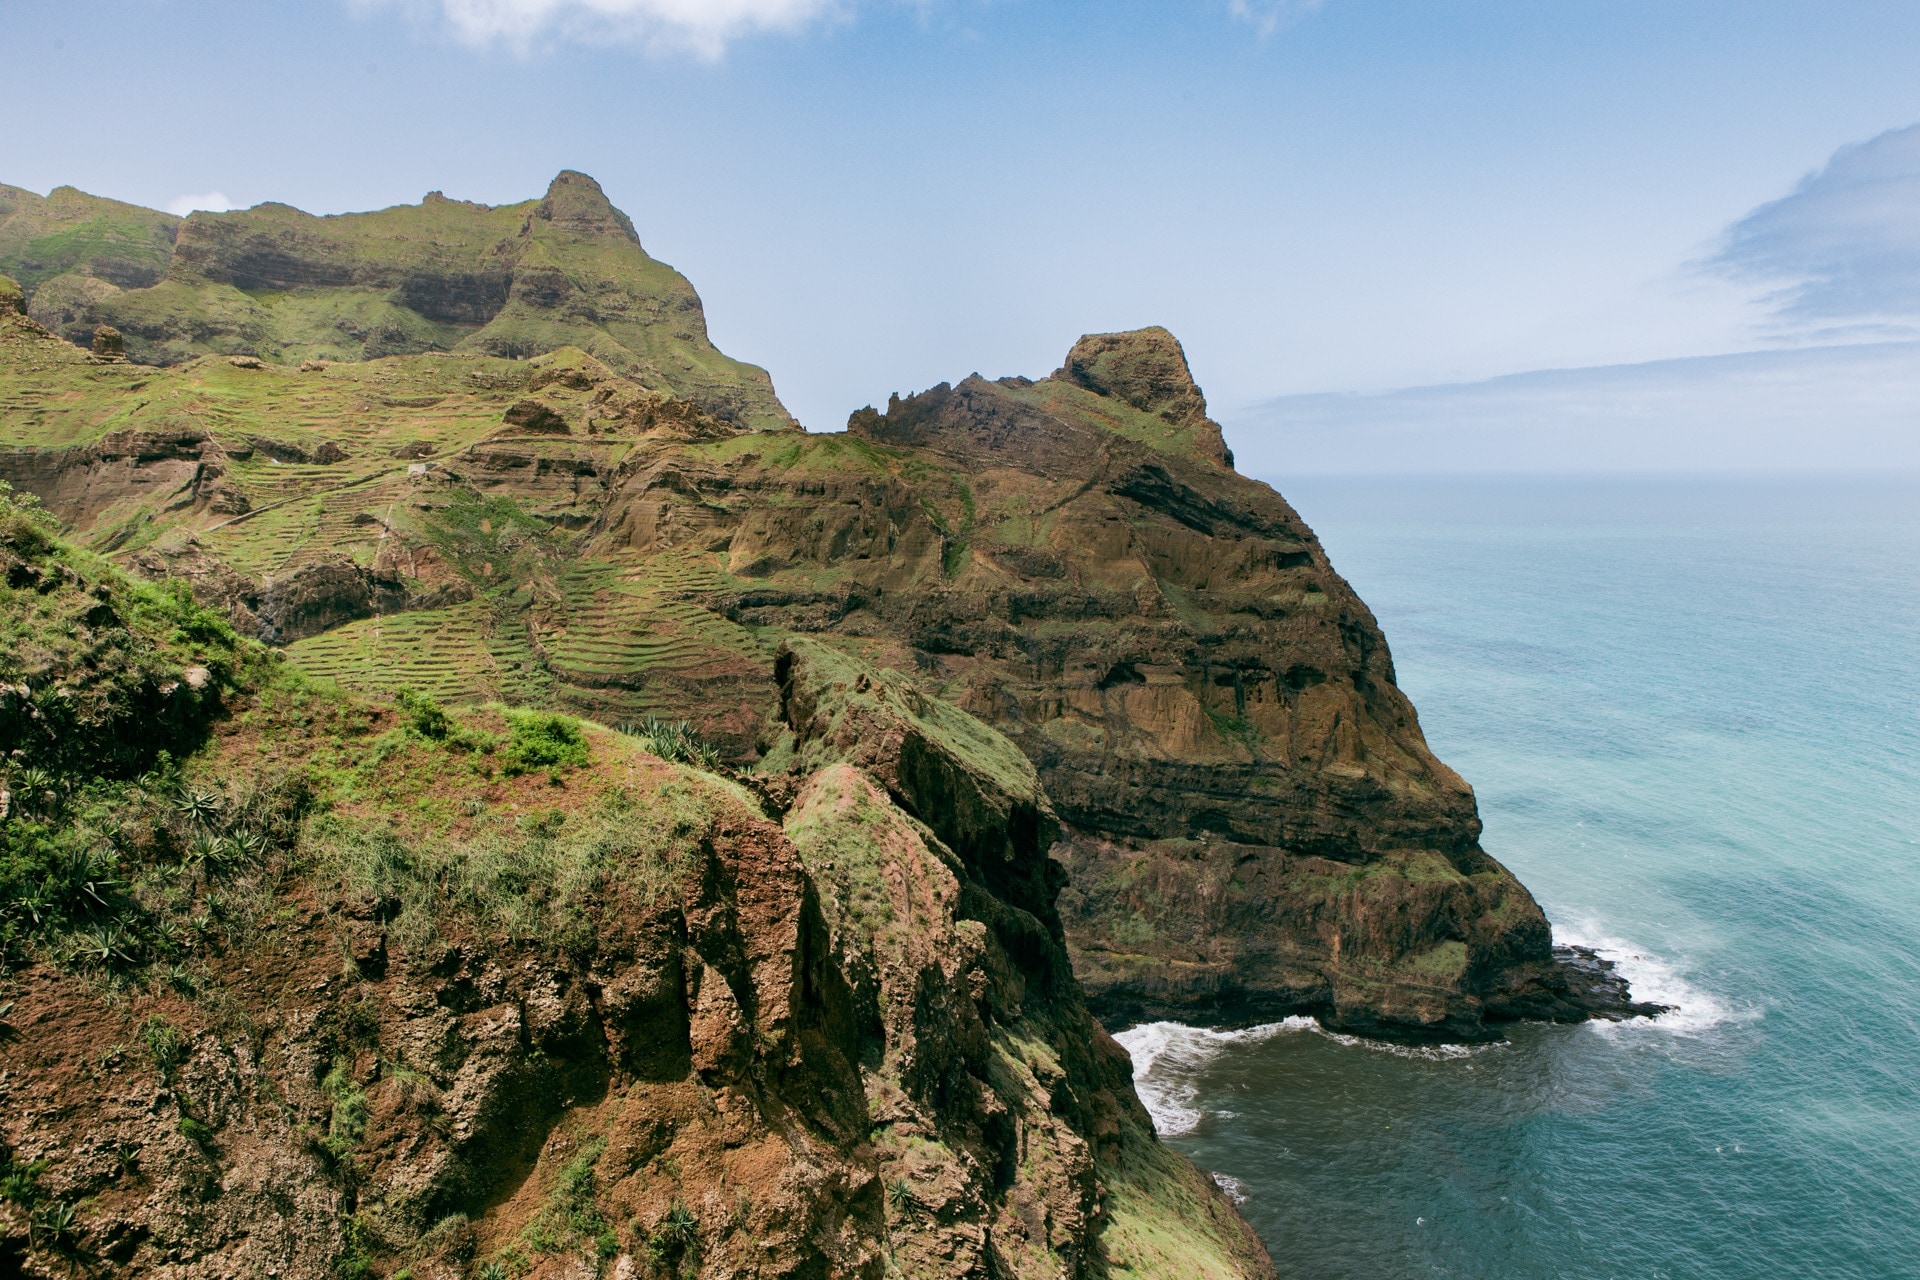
1691	711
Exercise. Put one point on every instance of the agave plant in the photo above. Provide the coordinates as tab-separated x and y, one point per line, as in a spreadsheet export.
676	741
212	855
54	1226
36	902
679	1230
33	789
105	945
249	845
167	938
201	808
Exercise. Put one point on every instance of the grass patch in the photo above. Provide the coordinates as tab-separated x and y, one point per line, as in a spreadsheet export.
521	877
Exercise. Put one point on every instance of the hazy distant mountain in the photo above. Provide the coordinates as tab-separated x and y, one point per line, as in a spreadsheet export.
1839	408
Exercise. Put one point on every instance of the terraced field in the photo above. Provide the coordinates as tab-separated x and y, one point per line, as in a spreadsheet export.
444	652
619	631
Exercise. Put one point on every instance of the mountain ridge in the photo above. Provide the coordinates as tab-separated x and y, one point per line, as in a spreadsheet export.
444	275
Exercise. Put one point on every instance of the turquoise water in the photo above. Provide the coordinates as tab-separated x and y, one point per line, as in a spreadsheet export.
1689	710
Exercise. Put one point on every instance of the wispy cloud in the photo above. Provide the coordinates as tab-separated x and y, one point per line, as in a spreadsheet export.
209	201
1269	16
700	27
703	28
1840	254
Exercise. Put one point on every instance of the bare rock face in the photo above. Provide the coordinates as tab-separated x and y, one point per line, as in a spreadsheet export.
108	344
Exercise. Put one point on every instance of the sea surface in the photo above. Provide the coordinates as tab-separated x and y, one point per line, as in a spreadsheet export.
1691	711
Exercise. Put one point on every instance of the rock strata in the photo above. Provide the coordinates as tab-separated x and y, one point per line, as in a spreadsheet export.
1252	823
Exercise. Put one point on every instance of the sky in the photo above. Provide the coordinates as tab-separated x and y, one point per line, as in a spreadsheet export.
1344	197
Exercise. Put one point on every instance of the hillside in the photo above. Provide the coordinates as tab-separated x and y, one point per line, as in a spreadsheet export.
443	275
303	984
1253	823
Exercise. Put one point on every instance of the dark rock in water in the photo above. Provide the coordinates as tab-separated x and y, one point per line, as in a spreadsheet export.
1597	989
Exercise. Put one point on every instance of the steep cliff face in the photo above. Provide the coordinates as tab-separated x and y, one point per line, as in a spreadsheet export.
1253	823
282	285
344	988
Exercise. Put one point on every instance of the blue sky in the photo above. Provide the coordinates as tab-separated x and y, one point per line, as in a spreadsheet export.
875	195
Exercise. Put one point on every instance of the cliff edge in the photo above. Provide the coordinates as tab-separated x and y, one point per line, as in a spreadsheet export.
1252	822
298	983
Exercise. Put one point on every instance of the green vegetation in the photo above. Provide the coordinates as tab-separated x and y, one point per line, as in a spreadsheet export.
165	1045
541	740
674	1245
518	877
347	1121
112	859
407	280
571	1219
676	742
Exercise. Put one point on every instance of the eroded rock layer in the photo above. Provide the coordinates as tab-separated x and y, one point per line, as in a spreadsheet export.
1253	823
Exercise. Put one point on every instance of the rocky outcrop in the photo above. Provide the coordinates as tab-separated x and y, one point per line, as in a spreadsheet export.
1147	369
603	1015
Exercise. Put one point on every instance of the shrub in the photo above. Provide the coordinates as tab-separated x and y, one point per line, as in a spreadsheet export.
424	715
543	741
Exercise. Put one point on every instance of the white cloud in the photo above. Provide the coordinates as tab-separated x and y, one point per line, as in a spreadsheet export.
1268	16
701	27
1839	256
209	201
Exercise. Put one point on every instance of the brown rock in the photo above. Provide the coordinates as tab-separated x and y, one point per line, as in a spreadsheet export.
533	416
108	344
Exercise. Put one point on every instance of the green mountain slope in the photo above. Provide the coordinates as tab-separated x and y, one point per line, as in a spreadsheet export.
444	275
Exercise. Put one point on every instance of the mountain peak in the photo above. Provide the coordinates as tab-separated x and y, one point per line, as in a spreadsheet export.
576	203
1146	368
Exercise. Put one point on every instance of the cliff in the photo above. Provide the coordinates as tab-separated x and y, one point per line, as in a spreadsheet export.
1252	823
302	984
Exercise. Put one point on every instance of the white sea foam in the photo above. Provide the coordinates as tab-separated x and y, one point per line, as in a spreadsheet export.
1691	1011
1168	1058
1418	1052
1236	1190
